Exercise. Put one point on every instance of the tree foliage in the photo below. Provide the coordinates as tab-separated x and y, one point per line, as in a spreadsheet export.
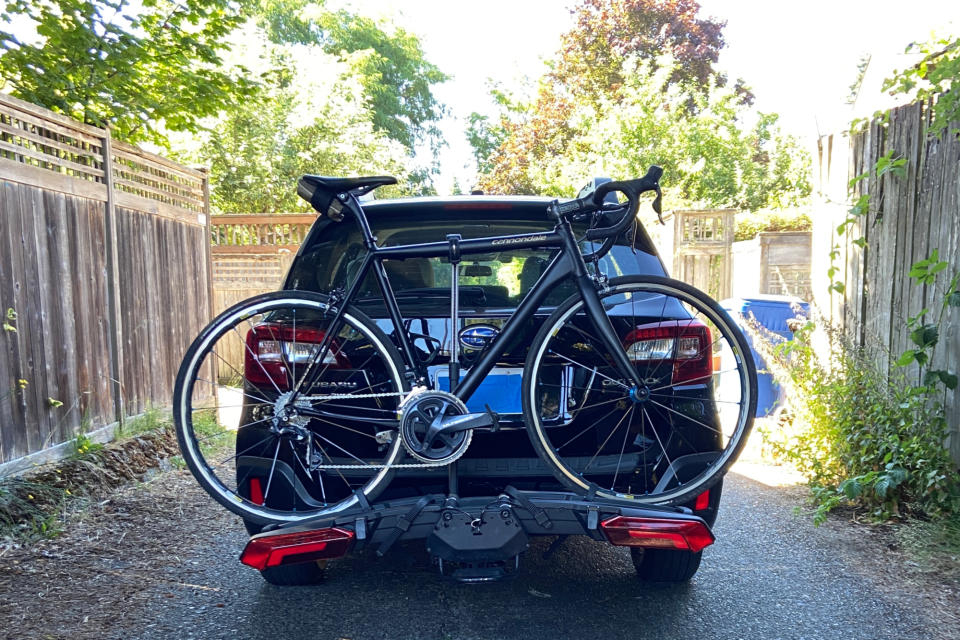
936	75
708	158
139	70
608	32
389	64
634	84
295	127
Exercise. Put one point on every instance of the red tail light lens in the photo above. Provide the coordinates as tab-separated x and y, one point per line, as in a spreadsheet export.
268	550
686	535
687	343
271	348
702	502
256	491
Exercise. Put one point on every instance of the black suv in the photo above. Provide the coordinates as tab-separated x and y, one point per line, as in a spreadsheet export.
497	466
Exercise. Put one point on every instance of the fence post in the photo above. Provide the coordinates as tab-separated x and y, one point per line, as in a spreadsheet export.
114	320
208	249
208	233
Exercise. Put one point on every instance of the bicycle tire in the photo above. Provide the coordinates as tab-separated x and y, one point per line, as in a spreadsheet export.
271	352
555	406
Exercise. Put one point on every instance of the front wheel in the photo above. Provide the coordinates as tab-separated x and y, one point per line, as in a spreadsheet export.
665	441
285	412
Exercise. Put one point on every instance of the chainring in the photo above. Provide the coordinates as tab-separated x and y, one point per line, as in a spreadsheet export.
417	413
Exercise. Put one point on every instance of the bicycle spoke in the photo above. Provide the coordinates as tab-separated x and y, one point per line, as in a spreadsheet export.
610	435
617	382
588	428
685	416
257	360
623	447
657	436
237	455
273	466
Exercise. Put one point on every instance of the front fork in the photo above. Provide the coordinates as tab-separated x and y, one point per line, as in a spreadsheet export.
601	322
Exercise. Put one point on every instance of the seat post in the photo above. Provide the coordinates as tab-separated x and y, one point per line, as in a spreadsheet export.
454	258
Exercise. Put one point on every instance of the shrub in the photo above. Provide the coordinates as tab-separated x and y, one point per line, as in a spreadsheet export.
861	437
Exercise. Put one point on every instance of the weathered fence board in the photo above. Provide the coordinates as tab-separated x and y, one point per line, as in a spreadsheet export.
105	258
909	217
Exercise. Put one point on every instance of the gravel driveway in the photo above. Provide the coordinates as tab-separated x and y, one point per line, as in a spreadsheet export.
160	562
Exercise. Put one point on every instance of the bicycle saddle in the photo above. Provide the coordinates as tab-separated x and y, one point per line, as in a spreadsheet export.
341	185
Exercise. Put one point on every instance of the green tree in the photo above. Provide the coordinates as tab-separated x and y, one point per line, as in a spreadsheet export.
139	70
608	32
294	127
388	63
709	160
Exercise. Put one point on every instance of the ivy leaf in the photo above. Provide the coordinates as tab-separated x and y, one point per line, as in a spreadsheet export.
930	378
882	486
853	181
925	336
906	358
948	379
851	488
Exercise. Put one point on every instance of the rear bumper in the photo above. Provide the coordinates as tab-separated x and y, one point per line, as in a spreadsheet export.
485	529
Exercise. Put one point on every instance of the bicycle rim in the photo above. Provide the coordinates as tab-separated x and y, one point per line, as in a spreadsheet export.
664	442
259	440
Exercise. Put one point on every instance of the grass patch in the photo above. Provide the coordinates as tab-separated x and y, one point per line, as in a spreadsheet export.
35	505
152	419
933	545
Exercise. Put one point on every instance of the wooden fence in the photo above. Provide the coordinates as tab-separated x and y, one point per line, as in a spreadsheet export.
908	217
774	262
252	253
700	243
105	268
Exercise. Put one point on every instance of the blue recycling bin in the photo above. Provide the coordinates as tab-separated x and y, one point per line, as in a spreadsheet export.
772	312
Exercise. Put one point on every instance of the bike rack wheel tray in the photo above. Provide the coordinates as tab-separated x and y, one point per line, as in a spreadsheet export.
477	530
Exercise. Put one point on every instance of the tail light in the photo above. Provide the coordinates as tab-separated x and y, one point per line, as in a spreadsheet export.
657	533
271	348
685	342
274	550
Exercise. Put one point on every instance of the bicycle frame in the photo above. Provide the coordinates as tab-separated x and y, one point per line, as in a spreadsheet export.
568	263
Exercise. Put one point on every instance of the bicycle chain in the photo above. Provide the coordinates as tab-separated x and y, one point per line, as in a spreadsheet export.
410	465
348	396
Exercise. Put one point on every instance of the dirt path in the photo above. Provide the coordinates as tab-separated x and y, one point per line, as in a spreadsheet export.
159	561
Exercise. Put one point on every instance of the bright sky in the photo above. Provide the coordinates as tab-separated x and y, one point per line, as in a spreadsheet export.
799	57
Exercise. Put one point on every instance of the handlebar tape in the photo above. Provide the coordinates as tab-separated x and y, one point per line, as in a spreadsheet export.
630	188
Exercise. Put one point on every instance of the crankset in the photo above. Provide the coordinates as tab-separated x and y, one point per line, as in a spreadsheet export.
424	417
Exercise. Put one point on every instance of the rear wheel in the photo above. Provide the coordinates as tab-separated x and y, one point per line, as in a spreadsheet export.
295	575
665	565
664	442
282	416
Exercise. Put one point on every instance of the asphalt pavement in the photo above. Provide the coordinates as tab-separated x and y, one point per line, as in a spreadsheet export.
771	574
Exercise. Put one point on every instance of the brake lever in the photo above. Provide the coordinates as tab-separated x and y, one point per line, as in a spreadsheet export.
658	205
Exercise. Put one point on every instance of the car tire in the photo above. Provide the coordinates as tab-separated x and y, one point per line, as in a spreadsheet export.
665	565
295	575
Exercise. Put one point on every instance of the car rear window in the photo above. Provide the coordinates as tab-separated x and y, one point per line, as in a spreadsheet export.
490	280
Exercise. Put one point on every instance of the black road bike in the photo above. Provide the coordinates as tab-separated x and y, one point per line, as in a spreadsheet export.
296	405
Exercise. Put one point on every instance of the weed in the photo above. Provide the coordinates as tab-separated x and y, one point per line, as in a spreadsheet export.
152	419
860	436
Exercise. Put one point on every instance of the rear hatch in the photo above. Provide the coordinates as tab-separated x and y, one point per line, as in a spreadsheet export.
491	287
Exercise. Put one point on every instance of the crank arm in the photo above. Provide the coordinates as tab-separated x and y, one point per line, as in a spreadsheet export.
456	424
